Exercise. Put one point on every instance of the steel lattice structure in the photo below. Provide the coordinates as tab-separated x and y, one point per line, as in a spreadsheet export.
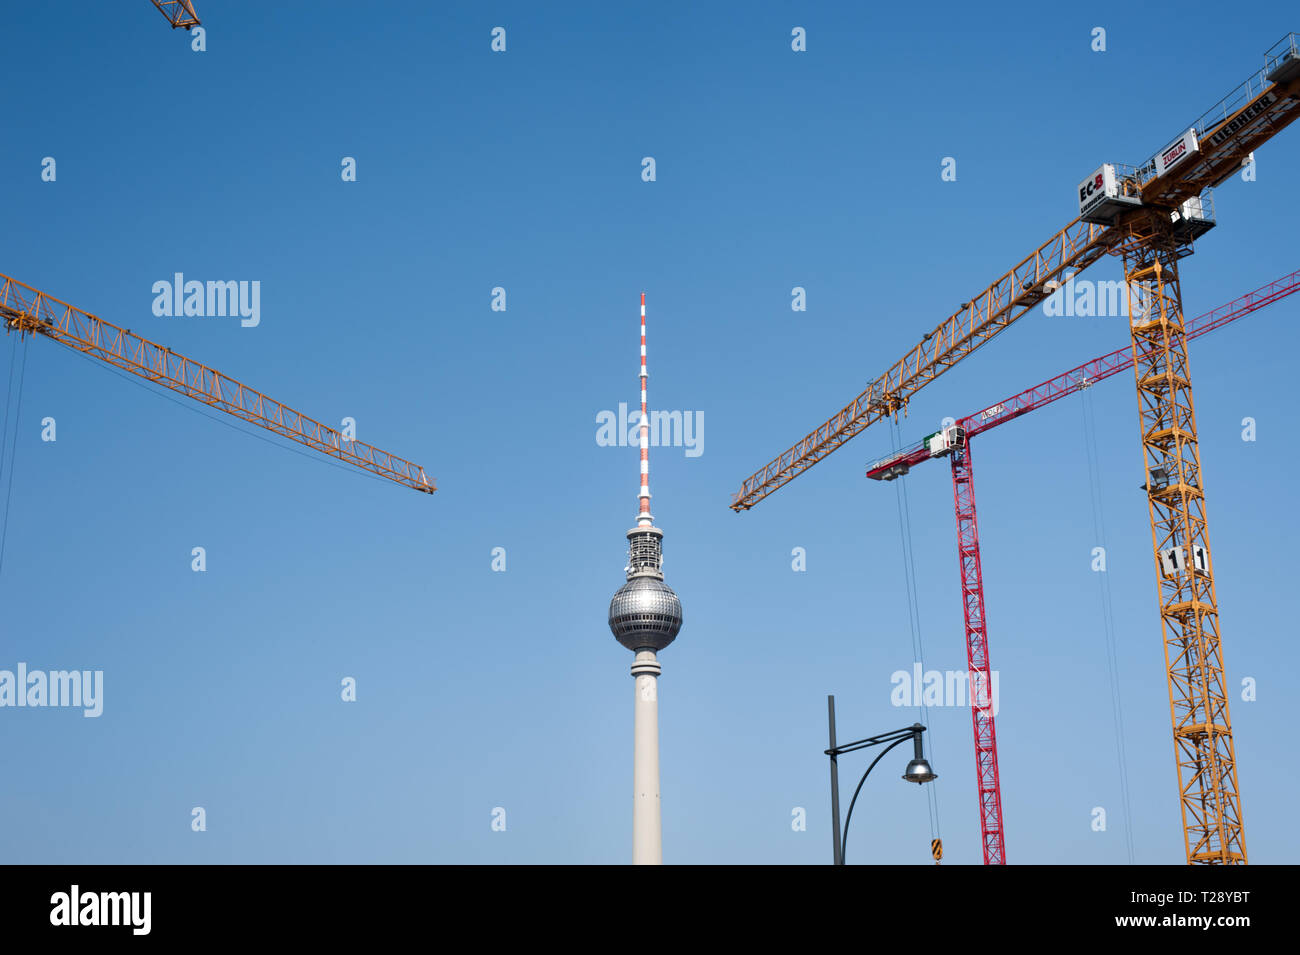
25	310
1089	373
1076	246
179	13
1209	795
988	784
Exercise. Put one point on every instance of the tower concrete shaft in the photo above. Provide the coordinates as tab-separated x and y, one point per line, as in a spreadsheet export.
647	818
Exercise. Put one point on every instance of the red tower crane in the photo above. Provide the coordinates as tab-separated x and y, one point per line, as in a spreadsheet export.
954	442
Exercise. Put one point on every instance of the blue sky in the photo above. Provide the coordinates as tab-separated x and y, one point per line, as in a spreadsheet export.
480	689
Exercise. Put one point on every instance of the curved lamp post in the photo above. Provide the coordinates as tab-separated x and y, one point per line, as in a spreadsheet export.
918	770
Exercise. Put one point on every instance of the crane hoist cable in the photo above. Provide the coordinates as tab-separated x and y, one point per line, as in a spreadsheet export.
914	622
188	406
13	451
9	387
1108	615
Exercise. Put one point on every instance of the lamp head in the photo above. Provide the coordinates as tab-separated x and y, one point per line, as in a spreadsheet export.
919	771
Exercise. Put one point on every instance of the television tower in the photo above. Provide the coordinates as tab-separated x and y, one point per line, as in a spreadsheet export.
645	616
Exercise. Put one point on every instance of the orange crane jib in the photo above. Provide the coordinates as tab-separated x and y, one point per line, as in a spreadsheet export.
24	309
1225	137
179	13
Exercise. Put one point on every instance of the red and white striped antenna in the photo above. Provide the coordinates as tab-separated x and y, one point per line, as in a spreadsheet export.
643	518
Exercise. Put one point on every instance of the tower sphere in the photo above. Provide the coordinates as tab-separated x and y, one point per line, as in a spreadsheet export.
645	614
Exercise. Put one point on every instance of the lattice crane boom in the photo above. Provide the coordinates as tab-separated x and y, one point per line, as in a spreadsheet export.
1121	359
1018	291
26	310
179	13
1078	378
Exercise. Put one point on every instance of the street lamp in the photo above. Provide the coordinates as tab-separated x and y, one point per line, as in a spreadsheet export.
918	770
